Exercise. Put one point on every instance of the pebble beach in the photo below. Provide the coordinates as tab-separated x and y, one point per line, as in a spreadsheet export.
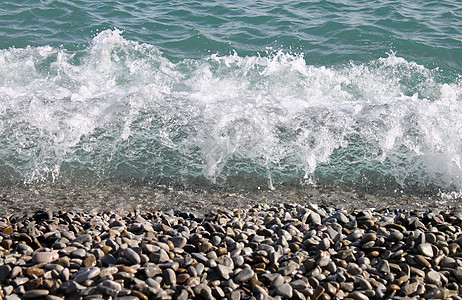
248	249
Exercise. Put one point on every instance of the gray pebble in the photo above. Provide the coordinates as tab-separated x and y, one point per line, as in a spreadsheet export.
285	290
132	256
245	275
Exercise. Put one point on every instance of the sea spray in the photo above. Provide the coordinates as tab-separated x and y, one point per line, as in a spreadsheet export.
121	110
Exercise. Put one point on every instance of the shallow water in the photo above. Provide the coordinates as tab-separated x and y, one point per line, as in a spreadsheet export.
242	96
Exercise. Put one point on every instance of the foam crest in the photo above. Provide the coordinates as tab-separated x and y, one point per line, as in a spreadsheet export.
120	109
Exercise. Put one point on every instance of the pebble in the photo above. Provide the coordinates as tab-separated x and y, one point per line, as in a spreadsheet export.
285	290
44	257
425	249
262	252
169	276
132	256
89	274
245	275
4	272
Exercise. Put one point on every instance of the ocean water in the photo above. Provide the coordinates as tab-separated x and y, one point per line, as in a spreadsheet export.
235	94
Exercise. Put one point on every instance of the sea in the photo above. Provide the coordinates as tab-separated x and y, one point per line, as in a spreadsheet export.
235	95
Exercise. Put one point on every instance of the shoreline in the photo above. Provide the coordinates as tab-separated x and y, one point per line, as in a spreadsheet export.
28	199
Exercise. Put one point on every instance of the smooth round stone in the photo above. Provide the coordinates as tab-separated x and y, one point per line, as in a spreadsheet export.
179	241
32	294
90	261
410	288
324	244
159	256
44	257
370	237
108	271
56	267
151	271
83	239
35	271
4	272
205	247
395	236
425	249
245	275
169	276
433	277
132	256
354	269
79	253
357	295
423	261
277	281
112	284
284	290
182	278
92	273
238	260
108	260
323	261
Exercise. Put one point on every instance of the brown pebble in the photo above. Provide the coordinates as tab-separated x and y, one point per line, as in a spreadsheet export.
90	261
106	249
182	278
393	287
35	271
127	269
8	230
139	294
221	251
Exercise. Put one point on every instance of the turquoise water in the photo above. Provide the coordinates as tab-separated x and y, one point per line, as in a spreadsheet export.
232	93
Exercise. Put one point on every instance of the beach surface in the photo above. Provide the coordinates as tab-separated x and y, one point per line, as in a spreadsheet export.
161	243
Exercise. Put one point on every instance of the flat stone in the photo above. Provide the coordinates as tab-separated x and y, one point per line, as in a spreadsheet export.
4	272
245	275
132	256
395	236
108	271
315	218
224	271
179	241
159	256
151	271
299	284
433	277
410	288
35	271
284	290
79	253
169	276
112	284
44	257
277	281
83	239
425	249
358	296
182	278
35	294
92	273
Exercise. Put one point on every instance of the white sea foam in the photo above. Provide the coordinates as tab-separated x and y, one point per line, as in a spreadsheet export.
121	109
